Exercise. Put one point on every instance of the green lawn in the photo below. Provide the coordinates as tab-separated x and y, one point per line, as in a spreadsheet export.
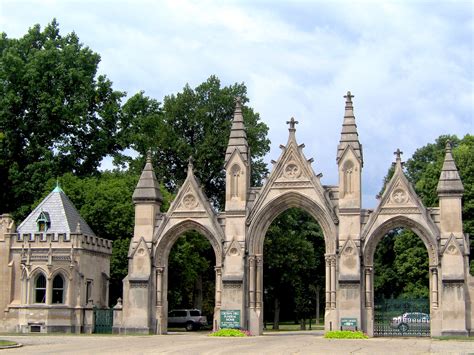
291	326
6	342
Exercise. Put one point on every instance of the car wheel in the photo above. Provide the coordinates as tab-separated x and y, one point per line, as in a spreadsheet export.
403	328
189	326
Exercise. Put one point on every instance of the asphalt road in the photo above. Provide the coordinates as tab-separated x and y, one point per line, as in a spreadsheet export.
198	343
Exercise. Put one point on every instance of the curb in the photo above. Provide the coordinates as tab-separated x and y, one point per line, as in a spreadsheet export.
18	345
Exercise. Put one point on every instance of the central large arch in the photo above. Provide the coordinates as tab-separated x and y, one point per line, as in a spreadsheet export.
256	235
290	199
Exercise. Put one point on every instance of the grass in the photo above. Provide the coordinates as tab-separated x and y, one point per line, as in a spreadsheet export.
291	326
229	333
455	337
345	334
7	343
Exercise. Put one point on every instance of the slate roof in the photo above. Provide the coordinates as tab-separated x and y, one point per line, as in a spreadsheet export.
63	216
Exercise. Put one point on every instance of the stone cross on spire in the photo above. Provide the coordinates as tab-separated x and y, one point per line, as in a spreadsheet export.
292	122
348	97
148	156
398	153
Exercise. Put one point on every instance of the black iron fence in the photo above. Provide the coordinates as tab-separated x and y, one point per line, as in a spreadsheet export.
402	317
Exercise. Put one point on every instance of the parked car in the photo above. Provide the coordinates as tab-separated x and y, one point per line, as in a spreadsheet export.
191	319
411	320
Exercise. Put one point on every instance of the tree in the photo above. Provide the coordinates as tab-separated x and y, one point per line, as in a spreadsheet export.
191	276
195	122
294	250
56	114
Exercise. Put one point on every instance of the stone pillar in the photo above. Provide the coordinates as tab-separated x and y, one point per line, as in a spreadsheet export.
368	287
218	270
252	281
259	281
328	283
333	281
434	286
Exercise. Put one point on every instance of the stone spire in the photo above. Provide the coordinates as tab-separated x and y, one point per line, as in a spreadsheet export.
238	135
449	180
147	189
349	135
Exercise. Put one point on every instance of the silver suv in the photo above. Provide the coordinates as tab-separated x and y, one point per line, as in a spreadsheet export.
191	319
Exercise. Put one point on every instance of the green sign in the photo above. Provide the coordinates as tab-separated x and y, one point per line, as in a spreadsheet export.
230	319
350	323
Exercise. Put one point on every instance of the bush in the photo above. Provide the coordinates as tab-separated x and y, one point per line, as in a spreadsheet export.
345	334
230	333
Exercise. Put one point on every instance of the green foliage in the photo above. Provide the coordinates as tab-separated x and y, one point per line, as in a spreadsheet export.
56	114
194	122
401	266
293	267
191	274
229	333
345	334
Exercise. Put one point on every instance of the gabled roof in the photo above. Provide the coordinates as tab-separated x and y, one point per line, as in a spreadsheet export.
63	215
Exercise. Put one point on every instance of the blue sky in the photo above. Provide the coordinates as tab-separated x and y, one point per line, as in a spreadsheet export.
410	64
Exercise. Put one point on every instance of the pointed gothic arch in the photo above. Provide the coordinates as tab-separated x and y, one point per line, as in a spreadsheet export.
273	208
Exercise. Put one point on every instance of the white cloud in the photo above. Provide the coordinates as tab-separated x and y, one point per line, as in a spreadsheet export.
409	65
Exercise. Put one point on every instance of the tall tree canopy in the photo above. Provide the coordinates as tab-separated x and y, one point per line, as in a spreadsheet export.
56	114
195	122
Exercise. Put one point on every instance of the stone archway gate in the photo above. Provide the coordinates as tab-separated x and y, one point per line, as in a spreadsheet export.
351	235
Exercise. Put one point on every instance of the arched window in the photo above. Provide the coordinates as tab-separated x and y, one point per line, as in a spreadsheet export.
234	182
348	178
40	289
58	289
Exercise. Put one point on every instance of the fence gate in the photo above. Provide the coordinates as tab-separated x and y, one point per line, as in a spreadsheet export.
103	321
402	317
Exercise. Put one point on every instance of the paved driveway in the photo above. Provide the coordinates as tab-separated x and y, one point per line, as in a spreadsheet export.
198	343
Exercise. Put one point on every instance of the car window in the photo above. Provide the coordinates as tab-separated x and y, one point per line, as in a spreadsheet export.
194	313
180	313
172	314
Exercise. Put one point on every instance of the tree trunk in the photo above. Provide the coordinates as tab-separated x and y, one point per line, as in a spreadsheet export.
303	324
317	304
197	302
276	315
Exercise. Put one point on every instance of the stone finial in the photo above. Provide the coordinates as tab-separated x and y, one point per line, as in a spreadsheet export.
148	156
292	122
190	165
349	135
78	228
147	189
449	182
238	134
348	98
398	153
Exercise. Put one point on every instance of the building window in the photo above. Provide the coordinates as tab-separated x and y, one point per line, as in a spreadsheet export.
58	289
88	291
40	289
43	222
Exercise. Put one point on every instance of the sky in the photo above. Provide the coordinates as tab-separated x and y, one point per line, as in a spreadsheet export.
409	64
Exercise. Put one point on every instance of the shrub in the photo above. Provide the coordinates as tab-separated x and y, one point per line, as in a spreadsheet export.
345	334
230	333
